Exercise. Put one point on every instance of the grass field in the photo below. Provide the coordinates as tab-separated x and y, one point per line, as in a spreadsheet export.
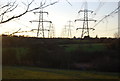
85	47
10	72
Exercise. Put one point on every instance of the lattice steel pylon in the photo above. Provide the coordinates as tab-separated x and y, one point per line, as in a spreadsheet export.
52	31
68	29
41	21
85	20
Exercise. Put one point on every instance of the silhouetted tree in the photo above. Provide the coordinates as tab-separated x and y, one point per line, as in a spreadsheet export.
10	7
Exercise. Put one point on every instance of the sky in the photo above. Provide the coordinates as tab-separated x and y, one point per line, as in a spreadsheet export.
62	12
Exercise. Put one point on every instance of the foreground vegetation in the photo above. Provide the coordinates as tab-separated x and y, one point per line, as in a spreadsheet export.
101	55
10	72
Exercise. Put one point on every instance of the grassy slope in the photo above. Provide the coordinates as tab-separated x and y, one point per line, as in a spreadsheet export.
85	47
42	73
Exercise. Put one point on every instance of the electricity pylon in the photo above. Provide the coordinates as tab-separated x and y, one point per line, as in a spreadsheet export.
41	21
51	33
85	28
69	30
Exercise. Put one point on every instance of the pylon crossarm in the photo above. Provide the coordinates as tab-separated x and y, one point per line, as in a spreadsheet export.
40	21
85	20
85	28
40	30
41	12
68	26
85	11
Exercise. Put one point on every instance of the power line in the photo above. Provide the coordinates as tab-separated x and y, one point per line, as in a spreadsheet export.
112	13
101	4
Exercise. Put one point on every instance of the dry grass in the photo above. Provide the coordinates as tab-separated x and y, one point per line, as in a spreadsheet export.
41	73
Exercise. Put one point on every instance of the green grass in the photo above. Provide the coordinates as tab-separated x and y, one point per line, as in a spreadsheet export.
42	73
71	47
85	47
93	47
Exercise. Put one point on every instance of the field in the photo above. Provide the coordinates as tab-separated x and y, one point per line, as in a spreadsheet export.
60	58
10	72
89	47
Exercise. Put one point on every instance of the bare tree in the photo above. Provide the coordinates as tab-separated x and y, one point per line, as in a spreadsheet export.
11	6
